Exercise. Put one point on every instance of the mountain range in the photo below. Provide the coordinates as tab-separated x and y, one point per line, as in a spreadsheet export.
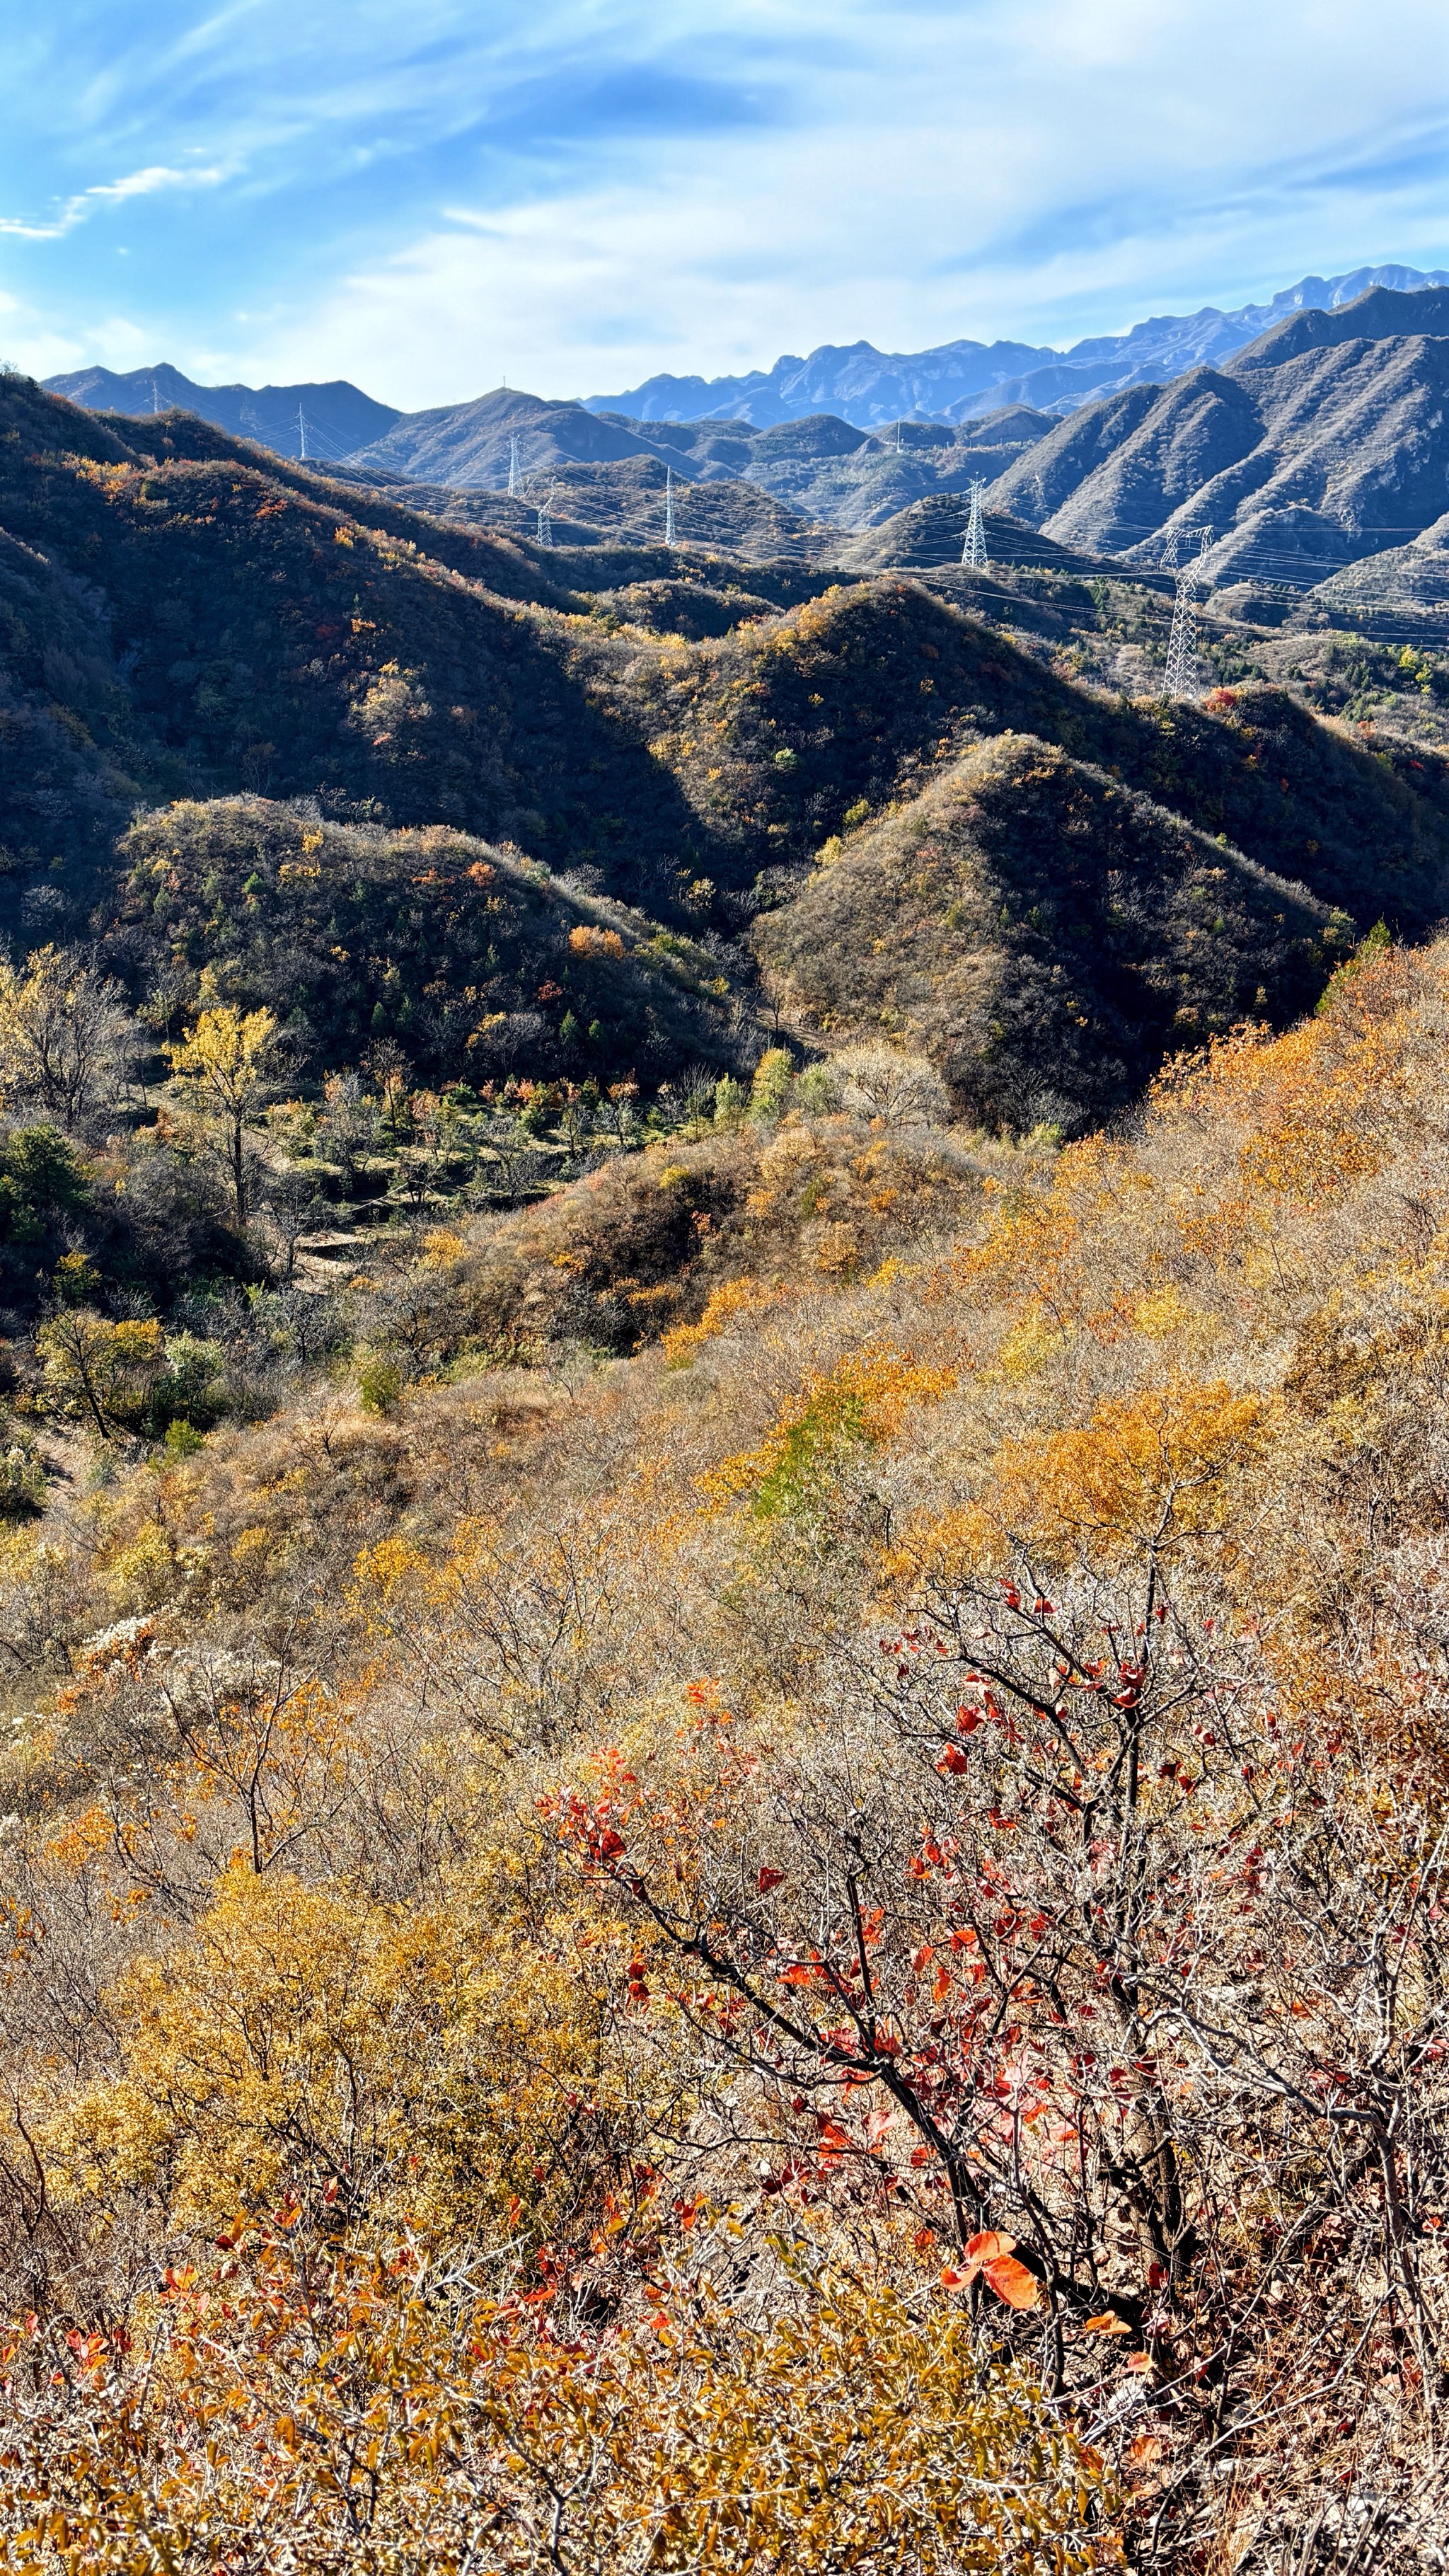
319	420
655	748
1323	441
966	378
1315	445
961	380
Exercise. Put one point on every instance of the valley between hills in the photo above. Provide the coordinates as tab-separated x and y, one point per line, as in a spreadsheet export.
723	1272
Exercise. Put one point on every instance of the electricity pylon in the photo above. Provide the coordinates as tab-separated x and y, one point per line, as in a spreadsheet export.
513	469
545	523
302	431
1178	677
973	552
669	505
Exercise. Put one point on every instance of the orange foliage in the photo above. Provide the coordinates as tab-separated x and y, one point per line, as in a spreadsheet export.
1145	1469
730	1303
862	1401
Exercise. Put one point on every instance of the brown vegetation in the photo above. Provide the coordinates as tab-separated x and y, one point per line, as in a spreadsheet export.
599	1930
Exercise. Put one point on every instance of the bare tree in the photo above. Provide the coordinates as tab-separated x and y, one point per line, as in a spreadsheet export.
68	1043
901	1090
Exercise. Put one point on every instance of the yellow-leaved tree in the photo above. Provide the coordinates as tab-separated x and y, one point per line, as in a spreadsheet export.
98	1371
225	1064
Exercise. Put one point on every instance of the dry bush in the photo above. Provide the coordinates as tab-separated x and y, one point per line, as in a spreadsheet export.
942	1761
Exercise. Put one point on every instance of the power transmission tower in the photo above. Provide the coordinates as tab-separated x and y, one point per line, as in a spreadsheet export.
1179	679
155	399
545	522
302	431
513	469
900	442
669	505
973	552
1169	552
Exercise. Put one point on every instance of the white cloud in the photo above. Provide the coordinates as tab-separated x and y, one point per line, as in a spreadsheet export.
139	183
580	192
1040	171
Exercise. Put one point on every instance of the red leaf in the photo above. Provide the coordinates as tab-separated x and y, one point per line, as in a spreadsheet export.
1012	2282
770	1878
988	2247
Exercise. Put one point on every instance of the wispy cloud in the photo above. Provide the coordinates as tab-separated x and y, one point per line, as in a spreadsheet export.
115	192
575	192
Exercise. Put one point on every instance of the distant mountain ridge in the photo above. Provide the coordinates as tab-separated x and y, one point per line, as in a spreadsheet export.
820	467
1308	433
964	379
319	421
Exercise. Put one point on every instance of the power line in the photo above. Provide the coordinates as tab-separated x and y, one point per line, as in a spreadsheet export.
973	551
1178	678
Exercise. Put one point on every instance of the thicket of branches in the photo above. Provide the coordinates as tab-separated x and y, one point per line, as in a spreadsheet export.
822	1947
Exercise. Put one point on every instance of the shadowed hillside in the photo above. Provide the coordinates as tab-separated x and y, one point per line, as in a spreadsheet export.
669	729
1044	935
474	959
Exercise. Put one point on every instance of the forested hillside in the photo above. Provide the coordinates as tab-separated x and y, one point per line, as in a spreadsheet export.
721	1535
818	1947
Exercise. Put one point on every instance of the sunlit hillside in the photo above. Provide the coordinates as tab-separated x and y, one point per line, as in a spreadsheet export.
721	1548
815	1947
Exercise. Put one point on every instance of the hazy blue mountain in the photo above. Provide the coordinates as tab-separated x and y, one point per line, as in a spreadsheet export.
858	384
337	416
966	378
470	444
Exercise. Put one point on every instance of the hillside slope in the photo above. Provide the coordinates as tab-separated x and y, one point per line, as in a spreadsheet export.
1044	934
477	962
192	621
1322	442
423	1796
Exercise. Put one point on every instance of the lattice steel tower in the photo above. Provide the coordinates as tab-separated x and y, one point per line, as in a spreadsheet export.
513	469
669	505
1178	678
974	552
545	522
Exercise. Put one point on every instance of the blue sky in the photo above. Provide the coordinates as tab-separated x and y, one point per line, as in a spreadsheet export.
429	196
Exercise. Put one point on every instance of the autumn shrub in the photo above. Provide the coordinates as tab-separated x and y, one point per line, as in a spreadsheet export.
820	1940
371	2405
